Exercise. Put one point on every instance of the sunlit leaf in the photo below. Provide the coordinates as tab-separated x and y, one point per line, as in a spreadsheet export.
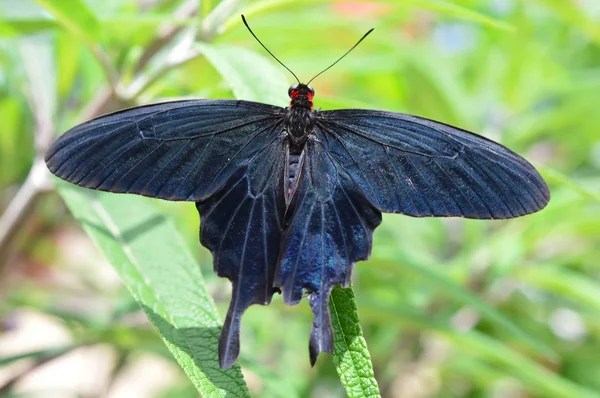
351	357
156	266
252	77
76	18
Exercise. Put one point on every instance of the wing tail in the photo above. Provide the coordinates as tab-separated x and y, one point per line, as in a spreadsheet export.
229	342
321	335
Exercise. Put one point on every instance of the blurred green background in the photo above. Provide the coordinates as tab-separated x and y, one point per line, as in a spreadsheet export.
449	308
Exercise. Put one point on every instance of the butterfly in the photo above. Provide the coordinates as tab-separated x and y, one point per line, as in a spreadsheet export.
289	197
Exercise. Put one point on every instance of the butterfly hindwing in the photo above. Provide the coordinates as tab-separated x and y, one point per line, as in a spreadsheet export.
241	225
329	227
183	150
419	167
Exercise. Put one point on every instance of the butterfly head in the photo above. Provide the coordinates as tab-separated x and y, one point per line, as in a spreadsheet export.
301	95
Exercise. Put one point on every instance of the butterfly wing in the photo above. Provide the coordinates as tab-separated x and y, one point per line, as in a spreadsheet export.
228	156
183	150
419	167
329	226
241	225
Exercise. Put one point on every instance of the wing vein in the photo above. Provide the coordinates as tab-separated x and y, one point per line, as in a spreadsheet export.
240	275
395	170
358	168
322	262
234	156
343	233
128	171
226	231
216	204
183	147
475	191
193	137
457	188
265	250
366	136
435	193
290	284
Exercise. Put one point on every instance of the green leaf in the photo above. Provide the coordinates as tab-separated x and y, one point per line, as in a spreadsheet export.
476	346
78	20
252	77
154	263
112	25
13	157
75	17
351	357
24	27
68	62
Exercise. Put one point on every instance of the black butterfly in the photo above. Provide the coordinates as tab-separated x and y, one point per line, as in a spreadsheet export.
289	197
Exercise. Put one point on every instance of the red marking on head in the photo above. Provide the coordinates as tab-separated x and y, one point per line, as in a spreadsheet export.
289	192
310	96
294	94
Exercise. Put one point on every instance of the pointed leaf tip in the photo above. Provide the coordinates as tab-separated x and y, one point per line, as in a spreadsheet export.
351	358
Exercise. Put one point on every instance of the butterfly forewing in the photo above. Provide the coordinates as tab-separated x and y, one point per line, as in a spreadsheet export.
182	150
419	167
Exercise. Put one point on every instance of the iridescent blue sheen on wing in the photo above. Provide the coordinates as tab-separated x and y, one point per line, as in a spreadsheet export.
419	167
329	226
241	225
183	150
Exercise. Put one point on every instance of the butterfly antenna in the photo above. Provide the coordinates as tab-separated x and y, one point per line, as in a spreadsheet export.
265	47
340	58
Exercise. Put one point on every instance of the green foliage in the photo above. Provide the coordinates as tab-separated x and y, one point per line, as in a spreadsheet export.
76	18
162	275
449	308
250	76
352	359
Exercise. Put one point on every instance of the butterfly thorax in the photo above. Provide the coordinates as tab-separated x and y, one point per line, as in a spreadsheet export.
300	118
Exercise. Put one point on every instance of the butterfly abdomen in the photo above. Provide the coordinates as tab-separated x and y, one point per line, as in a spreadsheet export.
293	165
